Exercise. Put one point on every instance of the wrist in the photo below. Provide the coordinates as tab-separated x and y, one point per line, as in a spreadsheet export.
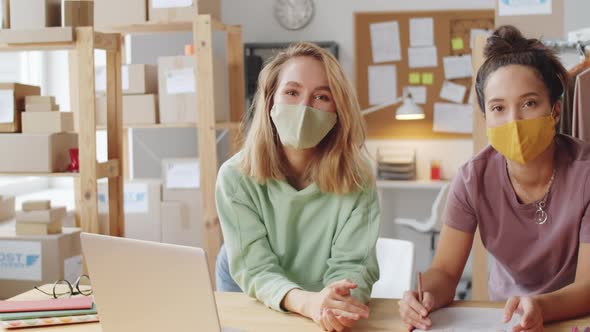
296	301
541	303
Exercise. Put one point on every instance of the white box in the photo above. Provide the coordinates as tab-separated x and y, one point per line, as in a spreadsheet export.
142	199
182	10
36	153
113	13
178	93
47	122
181	219
137	109
34	14
29	261
139	79
181	173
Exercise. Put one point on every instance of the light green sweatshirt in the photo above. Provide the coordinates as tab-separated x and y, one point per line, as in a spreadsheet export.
278	238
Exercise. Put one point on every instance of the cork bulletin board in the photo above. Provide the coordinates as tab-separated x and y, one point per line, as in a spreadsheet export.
448	27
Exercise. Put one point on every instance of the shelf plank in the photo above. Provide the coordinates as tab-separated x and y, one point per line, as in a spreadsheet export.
166	27
55	175
41	39
220	125
152	28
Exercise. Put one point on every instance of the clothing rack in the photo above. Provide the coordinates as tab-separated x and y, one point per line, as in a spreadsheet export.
564	44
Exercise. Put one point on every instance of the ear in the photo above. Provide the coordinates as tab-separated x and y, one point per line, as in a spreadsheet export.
557	111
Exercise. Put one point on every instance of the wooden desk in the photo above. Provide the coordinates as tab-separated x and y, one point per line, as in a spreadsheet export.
239	311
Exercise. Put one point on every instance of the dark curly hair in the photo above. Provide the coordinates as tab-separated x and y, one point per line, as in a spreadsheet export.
506	46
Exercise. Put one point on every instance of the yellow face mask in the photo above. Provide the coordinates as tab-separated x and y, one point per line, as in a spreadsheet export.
523	140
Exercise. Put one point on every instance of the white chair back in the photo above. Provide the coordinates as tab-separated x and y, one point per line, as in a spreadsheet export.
396	267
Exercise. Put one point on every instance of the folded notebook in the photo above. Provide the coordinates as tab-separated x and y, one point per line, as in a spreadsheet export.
17	324
45	314
72	303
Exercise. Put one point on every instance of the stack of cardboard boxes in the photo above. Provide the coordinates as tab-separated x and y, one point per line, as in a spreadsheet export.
113	13
44	144
35	15
42	116
140	100
39	218
166	211
141	204
181	203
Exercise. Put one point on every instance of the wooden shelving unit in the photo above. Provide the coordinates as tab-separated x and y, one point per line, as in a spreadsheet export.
81	43
202	28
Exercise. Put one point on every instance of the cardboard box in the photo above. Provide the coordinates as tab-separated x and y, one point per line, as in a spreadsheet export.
112	13
29	261
35	228
177	89
139	79
50	100
12	103
78	13
181	202
34	14
139	109
41	216
36	205
47	122
43	153
41	108
181	218
7	208
142	199
178	101
182	10
180	173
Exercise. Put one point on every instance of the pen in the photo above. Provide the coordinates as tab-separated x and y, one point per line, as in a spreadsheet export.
420	290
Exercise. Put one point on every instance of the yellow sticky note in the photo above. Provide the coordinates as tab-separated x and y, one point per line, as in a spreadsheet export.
427	78
414	78
457	44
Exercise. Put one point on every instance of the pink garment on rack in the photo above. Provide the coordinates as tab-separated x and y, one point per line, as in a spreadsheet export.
581	109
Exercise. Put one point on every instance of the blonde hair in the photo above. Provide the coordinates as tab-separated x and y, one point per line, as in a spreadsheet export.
340	165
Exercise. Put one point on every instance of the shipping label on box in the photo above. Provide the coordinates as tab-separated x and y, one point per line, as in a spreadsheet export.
6	106
180	81
182	174
73	268
20	260
135	198
171	3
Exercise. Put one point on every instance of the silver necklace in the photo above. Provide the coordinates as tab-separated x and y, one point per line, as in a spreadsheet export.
541	216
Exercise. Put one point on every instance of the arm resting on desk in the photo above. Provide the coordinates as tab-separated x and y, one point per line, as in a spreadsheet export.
574	299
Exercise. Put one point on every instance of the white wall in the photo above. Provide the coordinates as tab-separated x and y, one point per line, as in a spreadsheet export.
333	20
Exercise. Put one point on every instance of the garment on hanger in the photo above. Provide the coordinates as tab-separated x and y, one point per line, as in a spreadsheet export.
581	107
565	125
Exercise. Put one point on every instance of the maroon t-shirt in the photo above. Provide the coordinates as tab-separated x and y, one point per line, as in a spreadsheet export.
529	258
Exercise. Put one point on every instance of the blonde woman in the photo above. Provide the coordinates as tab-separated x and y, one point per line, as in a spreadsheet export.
298	205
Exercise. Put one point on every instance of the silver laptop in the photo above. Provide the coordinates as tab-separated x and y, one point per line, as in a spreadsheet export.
150	287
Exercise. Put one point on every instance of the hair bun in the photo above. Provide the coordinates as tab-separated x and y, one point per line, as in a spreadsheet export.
508	39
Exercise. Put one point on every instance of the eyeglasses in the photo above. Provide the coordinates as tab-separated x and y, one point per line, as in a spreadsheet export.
70	290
